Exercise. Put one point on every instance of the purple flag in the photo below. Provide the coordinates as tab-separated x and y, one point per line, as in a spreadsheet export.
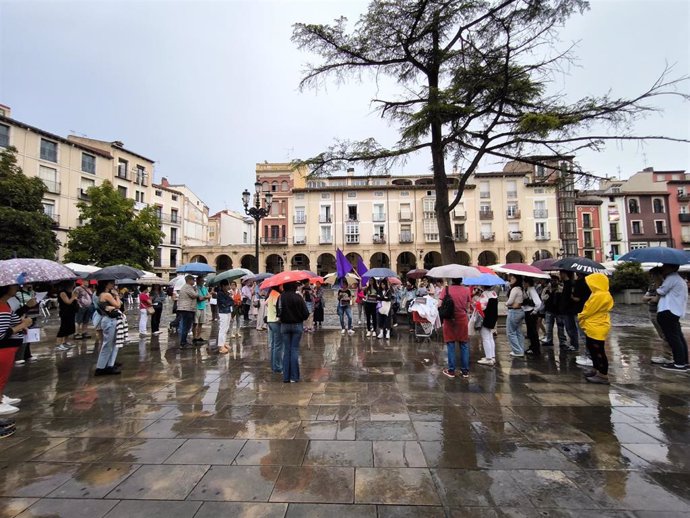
361	268
342	265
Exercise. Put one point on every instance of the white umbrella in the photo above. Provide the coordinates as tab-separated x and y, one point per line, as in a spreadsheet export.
82	269
332	277
453	271
520	269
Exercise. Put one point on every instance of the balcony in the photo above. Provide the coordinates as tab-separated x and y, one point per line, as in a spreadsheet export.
378	217
269	241
459	214
512	195
513	214
545	236
353	218
404	216
81	194
616	237
52	187
326	240
515	236
173	241
684	218
683	196
299	240
589	243
587	225
488	236
352	239
541	213
406	237
429	214
460	237
431	238
140	205
300	219
325	218
122	173
379	240
486	215
55	218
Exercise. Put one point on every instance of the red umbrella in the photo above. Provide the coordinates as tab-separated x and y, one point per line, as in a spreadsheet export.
393	281
416	274
284	278
484	269
524	270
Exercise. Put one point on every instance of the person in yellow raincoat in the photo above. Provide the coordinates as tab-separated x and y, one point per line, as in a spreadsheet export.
595	322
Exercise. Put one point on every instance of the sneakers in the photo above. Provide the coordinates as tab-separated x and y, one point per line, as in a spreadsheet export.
62	347
589	373
380	335
7	430
368	333
7	400
156	333
546	344
33	359
517	355
532	352
387	335
583	361
571	349
108	371
487	361
20	362
343	331
660	360
78	336
351	332
672	367
465	373
450	374
6	409
600	380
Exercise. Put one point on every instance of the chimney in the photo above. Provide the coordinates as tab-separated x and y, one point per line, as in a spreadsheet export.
5	111
350	171
164	182
118	143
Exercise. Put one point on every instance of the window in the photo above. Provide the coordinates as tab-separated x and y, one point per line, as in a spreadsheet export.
484	207
174	197
540	171
379	213
48	208
158	210
658	206
326	236
404	194
274	187
284	186
49	177
49	150
429	204
540	229
615	251
660	226
300	216
245	237
511	189
122	191
4	135
325	214
351	194
139	196
122	168
613	230
275	231
325	196
173	258
173	236
539	190
173	215
586	220
459	231
352	212
158	193
513	210
379	232
275	209
633	206
141	175
299	196
378	194
352	232
589	254
637	246
359	181
338	183
88	163
484	190
588	239
637	227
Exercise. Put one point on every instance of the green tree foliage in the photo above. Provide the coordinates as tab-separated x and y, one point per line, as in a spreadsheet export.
471	80
114	233
26	230
629	276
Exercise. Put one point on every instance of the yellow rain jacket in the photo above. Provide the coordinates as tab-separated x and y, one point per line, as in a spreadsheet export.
595	319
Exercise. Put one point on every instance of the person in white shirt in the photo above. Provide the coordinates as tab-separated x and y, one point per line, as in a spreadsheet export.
671	308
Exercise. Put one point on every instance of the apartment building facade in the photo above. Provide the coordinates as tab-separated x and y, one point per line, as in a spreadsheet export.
646	205
169	205
589	234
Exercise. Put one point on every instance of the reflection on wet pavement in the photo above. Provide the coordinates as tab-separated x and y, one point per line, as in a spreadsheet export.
373	430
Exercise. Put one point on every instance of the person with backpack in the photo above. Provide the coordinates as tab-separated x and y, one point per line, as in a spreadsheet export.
292	312
454	300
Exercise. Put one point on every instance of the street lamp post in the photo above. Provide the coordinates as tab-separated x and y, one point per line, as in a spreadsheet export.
257	212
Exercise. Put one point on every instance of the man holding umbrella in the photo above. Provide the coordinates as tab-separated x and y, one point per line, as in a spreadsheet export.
672	304
186	308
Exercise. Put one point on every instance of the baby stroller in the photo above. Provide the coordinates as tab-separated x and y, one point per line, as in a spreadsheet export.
423	329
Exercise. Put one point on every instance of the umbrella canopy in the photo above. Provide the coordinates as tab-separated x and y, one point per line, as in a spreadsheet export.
545	265
315	280
523	270
579	265
453	271
82	270
145	281
417	273
381	272
394	281
657	254
196	268
228	275
24	271
285	278
484	269
485	279
332	278
257	278
116	272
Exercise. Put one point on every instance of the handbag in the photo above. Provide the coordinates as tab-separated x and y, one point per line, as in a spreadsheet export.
150	310
385	308
447	309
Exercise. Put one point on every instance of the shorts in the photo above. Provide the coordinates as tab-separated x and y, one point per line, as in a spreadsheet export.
84	315
200	316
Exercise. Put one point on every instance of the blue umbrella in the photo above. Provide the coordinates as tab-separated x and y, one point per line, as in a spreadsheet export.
485	279
195	269
380	272
657	254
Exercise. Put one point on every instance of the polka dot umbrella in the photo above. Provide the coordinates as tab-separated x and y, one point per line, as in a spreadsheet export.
25	271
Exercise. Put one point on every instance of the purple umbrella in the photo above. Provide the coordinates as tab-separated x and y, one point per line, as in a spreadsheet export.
25	271
545	265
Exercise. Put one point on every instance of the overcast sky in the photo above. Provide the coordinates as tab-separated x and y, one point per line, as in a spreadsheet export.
208	89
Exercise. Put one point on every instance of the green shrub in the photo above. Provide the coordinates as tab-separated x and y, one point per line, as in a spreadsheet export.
629	276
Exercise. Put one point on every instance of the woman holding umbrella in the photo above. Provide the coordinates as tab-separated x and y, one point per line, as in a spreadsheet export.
385	297
455	329
292	312
371	299
109	305
516	315
67	302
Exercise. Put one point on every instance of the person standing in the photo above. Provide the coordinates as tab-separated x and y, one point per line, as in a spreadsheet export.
371	297
569	312
213	302
595	322
581	293
360	297
247	294
261	323
308	296
200	313
186	308
26	297
344	298
651	297
237	311
292	312
109	307
158	297
455	329
385	299
275	337
672	305
144	305
551	296
531	306
85	303
68	306
225	304
318	305
516	316
487	306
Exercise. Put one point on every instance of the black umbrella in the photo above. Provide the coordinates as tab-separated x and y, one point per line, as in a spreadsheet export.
116	272
579	265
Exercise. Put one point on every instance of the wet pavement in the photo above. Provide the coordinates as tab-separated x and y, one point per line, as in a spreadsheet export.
373	430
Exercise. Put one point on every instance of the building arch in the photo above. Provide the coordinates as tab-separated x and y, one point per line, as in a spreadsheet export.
515	257
248	262
274	263
325	264
300	262
542	254
223	262
462	257
432	260
406	261
487	258
380	260
198	259
353	257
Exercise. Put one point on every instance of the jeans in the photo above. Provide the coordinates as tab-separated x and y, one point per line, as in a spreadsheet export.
514	331
549	320
464	356
186	321
370	312
143	321
571	329
532	332
345	311
223	327
670	324
488	342
275	343
156	318
291	335
106	358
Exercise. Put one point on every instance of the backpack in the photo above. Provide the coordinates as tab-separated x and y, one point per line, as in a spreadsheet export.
447	309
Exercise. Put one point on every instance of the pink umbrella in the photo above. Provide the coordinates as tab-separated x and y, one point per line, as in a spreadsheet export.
524	270
393	281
